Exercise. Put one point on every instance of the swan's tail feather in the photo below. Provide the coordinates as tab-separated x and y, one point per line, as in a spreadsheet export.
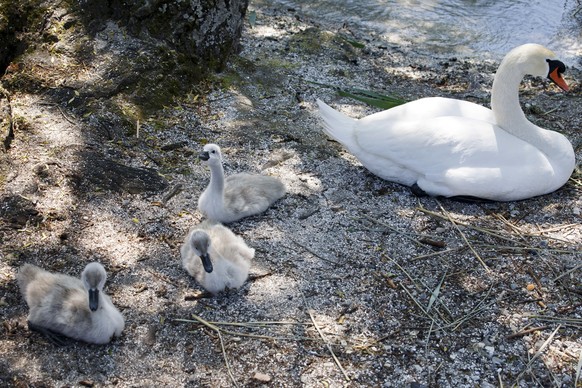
337	125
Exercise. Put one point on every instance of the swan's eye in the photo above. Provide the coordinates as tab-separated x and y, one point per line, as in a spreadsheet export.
213	151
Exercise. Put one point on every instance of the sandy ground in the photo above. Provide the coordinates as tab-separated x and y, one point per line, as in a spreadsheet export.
355	282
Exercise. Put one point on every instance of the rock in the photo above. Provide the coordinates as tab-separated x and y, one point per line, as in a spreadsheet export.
18	211
150	337
107	174
262	377
6	126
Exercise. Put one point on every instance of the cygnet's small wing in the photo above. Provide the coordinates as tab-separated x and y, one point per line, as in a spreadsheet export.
247	194
26	275
63	308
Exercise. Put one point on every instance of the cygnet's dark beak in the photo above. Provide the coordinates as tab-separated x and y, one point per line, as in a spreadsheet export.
206	262
204	156
93	299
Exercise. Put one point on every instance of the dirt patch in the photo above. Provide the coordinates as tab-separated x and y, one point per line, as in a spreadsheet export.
356	282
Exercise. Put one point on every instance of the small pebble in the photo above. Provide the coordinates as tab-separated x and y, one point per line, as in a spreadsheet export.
262	377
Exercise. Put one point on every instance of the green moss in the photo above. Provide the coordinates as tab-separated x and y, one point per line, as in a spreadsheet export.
310	41
227	79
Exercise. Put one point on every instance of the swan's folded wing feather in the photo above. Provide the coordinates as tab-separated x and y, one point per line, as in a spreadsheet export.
431	108
432	147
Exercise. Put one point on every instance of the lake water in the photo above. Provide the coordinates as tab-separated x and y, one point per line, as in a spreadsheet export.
484	28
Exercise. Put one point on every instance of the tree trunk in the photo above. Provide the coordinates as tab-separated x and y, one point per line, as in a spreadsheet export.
206	31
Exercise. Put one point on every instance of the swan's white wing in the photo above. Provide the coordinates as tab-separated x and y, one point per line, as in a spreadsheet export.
433	107
454	154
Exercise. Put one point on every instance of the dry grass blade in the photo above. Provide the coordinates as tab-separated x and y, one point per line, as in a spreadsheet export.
572	322
217	330
261	323
415	283
435	293
329	347
417	303
335	262
338	363
477	309
479	229
523	248
578	369
436	253
407	235
518	244
464	237
538	353
250	325
568	272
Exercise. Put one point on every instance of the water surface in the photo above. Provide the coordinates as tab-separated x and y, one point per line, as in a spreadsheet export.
482	28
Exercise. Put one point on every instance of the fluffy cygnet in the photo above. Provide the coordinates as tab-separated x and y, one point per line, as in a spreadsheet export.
237	196
216	257
75	308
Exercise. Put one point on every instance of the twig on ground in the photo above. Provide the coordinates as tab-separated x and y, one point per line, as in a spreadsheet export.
254	277
508	223
526	332
65	116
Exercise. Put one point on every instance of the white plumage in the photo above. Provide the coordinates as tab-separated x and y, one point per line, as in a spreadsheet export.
237	196
448	147
76	308
216	257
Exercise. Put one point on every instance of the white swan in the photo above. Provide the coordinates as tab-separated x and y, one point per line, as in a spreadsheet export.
447	147
216	257
76	308
237	196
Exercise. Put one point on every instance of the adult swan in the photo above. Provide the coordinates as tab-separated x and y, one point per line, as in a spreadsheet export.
447	147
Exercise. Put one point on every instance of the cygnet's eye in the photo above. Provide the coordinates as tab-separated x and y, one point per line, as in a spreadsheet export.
213	151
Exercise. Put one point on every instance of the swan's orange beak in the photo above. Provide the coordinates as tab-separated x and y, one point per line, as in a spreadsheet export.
556	77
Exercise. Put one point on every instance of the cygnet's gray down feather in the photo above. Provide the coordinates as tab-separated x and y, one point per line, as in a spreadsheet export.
60	304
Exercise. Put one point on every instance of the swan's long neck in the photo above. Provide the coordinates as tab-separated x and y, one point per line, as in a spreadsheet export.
510	117
508	113
216	184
